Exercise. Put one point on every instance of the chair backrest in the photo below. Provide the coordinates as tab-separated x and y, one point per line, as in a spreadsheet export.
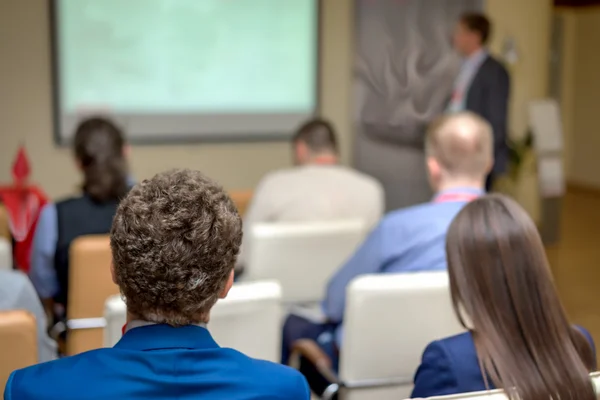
389	320
241	199
301	256
4	224
498	394
248	320
6	261
90	284
18	342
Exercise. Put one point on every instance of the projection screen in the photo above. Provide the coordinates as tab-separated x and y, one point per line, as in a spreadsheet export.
172	70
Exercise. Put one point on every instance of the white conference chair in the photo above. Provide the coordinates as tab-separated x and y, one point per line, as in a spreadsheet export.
301	256
248	320
6	262
388	322
500	395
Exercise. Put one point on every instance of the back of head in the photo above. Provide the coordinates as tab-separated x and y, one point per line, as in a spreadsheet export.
98	147
501	280
174	239
479	24
318	136
461	145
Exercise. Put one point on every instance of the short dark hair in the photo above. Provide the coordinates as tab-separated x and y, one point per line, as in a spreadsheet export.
319	136
174	240
478	23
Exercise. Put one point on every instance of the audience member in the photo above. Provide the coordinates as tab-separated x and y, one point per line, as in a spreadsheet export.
519	337
459	156
17	293
100	153
174	242
317	188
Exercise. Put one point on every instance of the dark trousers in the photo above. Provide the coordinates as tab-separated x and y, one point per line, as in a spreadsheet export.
296	328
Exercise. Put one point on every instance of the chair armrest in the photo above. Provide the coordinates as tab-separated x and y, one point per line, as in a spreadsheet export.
310	350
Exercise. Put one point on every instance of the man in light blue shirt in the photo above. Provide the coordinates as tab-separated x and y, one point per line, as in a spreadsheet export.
459	151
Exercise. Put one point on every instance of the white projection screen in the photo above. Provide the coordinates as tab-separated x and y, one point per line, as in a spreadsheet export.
184	70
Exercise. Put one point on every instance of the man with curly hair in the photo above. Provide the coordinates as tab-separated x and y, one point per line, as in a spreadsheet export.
174	241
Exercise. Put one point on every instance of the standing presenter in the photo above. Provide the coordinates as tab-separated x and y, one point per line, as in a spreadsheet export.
482	86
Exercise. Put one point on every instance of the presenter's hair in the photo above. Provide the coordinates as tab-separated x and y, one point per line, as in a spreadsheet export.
174	239
500	279
98	147
462	143
319	135
479	23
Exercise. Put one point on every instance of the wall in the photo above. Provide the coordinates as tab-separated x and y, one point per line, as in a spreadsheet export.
529	23
25	95
582	125
25	107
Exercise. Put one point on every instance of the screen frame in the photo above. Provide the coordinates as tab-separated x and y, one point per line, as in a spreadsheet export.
167	138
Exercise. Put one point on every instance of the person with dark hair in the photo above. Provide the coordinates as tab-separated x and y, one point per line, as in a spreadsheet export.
99	148
317	188
459	155
519	338
482	86
174	242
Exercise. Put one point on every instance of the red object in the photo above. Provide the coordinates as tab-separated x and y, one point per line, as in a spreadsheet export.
447	197
23	204
20	168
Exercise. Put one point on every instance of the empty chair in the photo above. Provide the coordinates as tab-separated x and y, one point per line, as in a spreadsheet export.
18	343
247	320
388	322
90	284
5	254
301	256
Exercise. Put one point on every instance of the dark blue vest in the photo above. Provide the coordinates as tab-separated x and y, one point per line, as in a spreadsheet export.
76	217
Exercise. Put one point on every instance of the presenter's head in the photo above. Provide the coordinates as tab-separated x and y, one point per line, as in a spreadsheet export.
100	152
175	239
471	33
315	142
459	150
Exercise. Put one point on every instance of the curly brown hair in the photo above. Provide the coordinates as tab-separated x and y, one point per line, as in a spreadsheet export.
174	241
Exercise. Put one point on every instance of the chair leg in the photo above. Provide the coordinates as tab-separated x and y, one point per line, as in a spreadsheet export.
330	392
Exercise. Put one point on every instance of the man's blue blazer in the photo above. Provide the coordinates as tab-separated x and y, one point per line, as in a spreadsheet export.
450	366
158	362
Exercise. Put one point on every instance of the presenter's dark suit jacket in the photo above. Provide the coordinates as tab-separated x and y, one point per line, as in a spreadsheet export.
450	366
158	362
488	97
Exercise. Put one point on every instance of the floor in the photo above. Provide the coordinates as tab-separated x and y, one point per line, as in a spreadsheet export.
575	259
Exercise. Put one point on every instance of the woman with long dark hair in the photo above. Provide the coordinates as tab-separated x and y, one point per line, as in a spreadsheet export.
99	148
519	338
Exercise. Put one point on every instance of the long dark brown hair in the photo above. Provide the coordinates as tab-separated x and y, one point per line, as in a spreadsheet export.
503	291
98	147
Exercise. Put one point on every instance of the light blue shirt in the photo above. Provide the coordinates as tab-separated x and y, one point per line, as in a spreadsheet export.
463	81
42	272
17	293
412	239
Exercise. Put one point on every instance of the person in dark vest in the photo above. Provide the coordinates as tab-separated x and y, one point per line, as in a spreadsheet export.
100	152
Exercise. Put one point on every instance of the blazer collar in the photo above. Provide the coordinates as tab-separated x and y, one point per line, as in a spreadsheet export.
162	336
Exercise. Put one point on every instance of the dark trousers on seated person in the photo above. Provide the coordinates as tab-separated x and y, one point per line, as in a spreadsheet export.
296	328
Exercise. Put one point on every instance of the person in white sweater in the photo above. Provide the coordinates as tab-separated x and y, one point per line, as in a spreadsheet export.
317	188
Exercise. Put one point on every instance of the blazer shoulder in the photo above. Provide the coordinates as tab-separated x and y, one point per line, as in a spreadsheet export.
283	382
495	64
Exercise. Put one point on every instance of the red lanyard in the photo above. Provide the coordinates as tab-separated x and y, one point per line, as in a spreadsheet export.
448	197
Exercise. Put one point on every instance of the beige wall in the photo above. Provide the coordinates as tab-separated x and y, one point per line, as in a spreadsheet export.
25	95
581	94
25	107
